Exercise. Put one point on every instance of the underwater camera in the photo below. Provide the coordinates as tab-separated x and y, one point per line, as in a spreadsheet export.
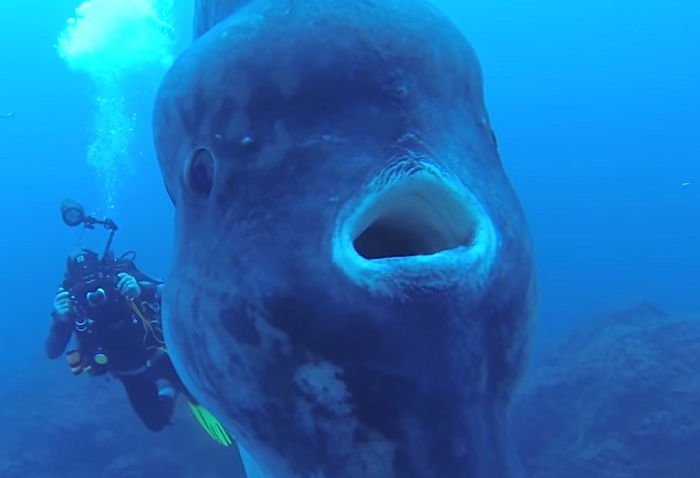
90	279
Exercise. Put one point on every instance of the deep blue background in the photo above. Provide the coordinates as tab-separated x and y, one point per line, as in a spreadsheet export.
596	106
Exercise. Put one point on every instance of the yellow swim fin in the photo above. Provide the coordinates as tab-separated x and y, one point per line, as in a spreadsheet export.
211	425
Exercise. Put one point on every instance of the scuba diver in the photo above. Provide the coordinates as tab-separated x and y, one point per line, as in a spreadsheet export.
106	317
114	320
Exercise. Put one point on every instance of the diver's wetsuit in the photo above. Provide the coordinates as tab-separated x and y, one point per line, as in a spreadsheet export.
154	409
133	353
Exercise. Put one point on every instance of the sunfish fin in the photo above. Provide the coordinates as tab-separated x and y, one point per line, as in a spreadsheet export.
208	13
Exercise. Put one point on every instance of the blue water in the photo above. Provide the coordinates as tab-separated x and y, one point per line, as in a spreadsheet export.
596	106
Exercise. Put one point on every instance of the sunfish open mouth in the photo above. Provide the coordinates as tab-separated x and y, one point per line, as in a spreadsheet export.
416	216
415	224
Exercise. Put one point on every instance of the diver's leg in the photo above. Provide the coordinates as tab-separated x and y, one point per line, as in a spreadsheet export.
154	408
165	370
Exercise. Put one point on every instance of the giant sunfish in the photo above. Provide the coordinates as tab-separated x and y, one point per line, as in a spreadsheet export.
352	283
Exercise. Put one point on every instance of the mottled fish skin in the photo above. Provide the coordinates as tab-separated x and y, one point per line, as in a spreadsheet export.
352	287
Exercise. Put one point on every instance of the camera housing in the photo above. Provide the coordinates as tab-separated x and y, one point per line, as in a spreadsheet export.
92	282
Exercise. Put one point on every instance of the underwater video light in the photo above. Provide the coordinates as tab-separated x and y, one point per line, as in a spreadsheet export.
72	212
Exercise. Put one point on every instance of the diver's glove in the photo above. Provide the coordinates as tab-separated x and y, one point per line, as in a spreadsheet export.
128	286
63	306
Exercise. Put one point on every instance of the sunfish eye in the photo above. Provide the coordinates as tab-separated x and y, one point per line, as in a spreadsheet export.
199	173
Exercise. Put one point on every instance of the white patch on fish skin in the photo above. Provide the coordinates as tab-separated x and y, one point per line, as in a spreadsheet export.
320	381
273	152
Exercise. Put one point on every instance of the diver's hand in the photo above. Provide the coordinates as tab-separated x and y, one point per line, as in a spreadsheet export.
128	286
63	305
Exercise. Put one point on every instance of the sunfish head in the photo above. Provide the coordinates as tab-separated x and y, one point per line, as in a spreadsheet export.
352	282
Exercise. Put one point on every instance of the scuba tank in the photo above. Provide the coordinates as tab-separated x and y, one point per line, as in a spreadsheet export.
95	362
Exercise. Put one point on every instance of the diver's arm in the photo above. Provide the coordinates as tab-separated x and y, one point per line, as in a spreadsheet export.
143	290
61	324
58	337
151	291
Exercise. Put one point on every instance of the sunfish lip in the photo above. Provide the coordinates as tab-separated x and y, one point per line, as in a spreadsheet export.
415	227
